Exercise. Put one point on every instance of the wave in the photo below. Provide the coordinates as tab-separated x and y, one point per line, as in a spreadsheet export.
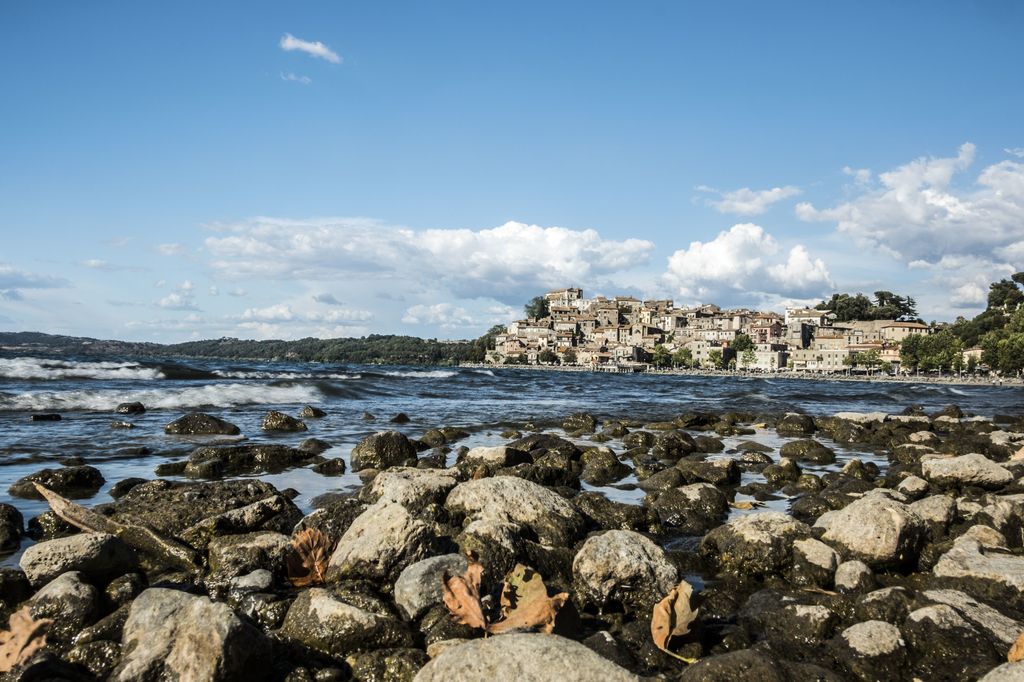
49	369
257	374
423	374
212	395
485	372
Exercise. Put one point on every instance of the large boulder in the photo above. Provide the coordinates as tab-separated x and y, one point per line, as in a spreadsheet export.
528	657
381	541
991	575
794	424
878	530
218	461
382	450
872	650
419	586
200	424
809	450
324	622
966	470
758	543
279	421
497	456
99	556
507	498
410	487
231	556
74	481
624	566
70	601
171	635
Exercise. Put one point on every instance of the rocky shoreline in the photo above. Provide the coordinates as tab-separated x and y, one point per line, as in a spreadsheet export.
805	562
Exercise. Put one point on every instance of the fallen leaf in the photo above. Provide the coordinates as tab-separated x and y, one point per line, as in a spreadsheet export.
1017	650
461	594
311	552
479	472
1017	455
23	640
525	604
672	617
746	504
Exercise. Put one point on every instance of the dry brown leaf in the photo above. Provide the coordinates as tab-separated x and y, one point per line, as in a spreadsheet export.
1017	650
1017	455
746	504
311	552
23	640
479	472
461	594
672	617
525	604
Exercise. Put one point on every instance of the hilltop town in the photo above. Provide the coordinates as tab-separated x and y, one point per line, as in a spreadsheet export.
626	333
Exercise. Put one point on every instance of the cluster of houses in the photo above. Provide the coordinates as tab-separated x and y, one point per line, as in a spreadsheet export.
624	332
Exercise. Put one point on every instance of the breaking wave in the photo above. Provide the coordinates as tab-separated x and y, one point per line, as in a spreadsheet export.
49	369
257	374
212	395
423	374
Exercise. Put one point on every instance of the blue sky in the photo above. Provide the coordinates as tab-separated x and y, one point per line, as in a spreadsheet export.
172	171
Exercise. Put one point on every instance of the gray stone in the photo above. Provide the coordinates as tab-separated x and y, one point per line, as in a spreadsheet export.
854	576
99	556
506	498
12	525
966	470
809	450
937	511
73	481
279	421
624	566
1002	574
499	456
171	635
814	563
756	543
382	450
879	531
914	487
872	650
231	556
1007	672
197	423
527	657
70	601
381	541
410	487
419	586
322	621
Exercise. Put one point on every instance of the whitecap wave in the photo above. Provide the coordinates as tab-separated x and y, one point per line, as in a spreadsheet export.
256	374
485	372
423	374
211	395
50	369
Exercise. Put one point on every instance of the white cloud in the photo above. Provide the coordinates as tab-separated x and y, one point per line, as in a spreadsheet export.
13	278
1015	151
171	249
180	299
293	78
96	264
742	261
283	312
861	176
746	201
326	299
214	291
444	315
969	295
317	49
506	262
238	292
275	313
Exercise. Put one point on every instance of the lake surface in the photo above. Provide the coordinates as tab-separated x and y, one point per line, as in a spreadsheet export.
85	391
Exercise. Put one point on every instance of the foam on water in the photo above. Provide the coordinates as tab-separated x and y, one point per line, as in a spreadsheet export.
424	374
214	395
49	369
234	374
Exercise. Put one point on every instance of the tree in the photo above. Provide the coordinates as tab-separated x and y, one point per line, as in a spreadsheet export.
742	342
748	358
683	357
569	357
715	359
537	307
661	358
547	356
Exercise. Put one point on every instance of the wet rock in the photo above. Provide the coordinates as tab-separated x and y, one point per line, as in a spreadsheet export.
756	543
73	481
854	577
722	472
123	589
176	636
217	461
879	531
581	422
130	408
274	513
793	424
499	544
14	587
872	650
623	566
746	664
814	563
614	430
785	470
382	541
51	417
332	519
605	644
662	480
674	445
418	587
315	446
12	524
1001	631
527	656
400	418
435	438
311	412
514	500
808	449
609	514
994	575
231	556
200	424
382	450
771	615
966	470
279	421
70	601
601	466
326	623
387	665
692	509
331	467
48	526
638	439
413	488
99	657
938	636
891	604
121	424
709	444
937	511
121	488
98	556
914	487
498	456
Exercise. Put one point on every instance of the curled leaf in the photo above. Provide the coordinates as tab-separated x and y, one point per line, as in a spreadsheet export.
24	638
525	604
1016	654
672	617
311	552
461	594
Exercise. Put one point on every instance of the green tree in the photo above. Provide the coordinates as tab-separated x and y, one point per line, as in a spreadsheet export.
748	358
742	342
661	357
547	356
715	359
569	357
683	357
537	307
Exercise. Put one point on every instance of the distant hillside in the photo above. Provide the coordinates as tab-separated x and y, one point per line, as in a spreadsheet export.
373	349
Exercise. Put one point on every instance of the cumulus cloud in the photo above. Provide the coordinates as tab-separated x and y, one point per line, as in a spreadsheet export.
317	49
506	262
861	176
292	78
746	201
1015	151
283	312
444	315
171	249
744	260
183	298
